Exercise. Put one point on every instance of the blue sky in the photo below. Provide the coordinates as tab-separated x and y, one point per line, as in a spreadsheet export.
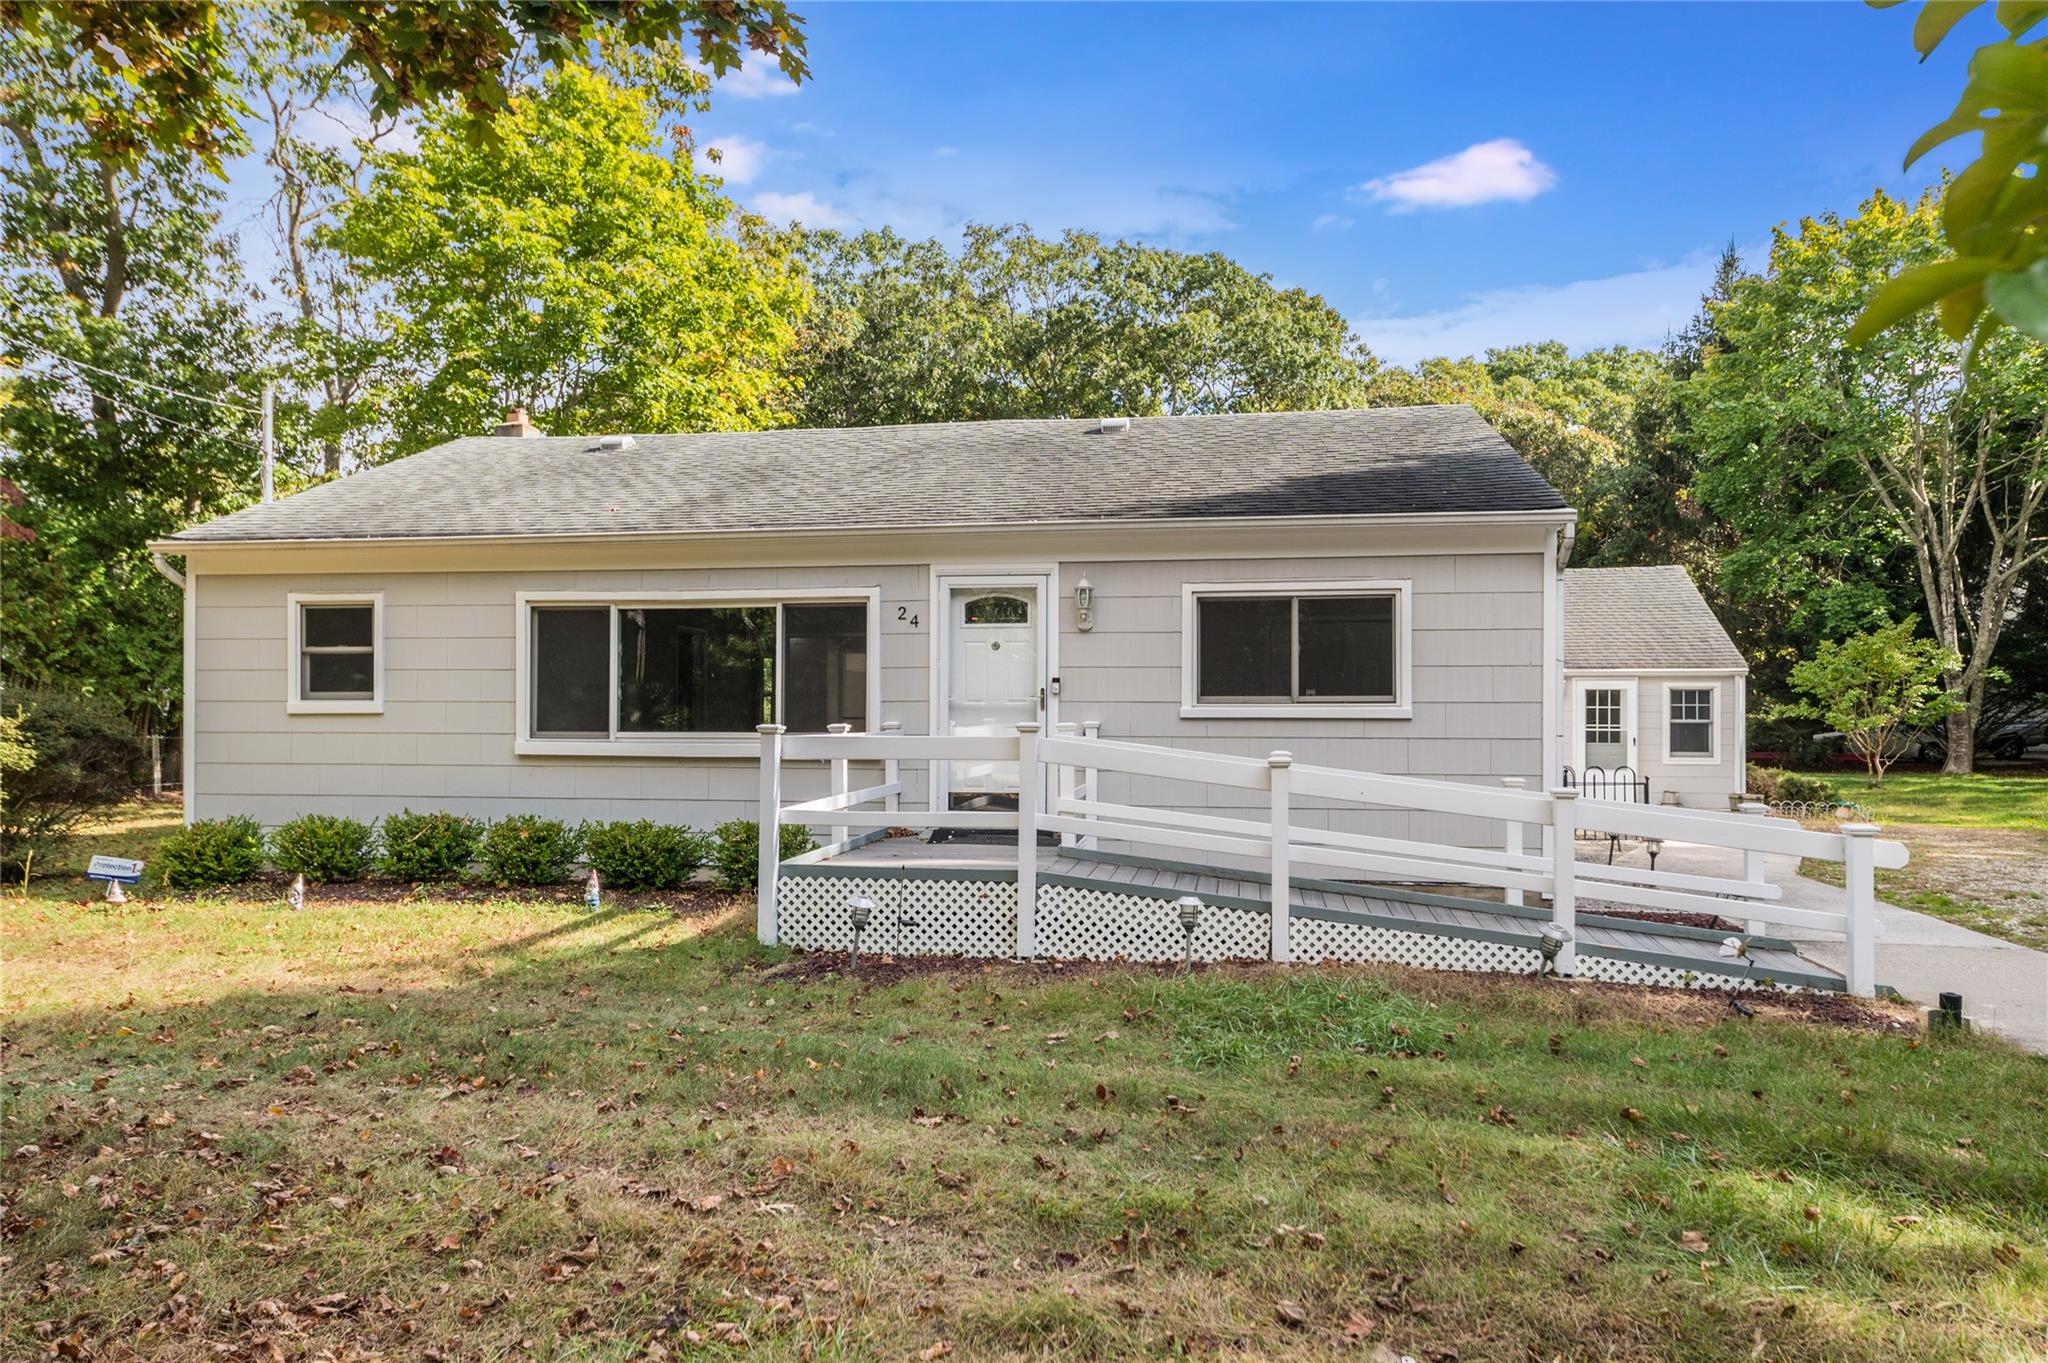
1449	176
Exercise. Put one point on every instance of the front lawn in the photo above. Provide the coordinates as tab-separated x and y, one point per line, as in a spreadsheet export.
512	1130
1979	800
1979	848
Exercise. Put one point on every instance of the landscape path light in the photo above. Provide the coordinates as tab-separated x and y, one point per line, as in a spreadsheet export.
861	910
1190	910
1550	940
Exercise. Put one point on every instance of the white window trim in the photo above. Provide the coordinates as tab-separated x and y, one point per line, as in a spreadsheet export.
295	703
1712	756
1401	707
524	744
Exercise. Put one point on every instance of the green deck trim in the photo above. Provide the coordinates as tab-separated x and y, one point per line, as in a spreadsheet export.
825	870
1239	903
1715	967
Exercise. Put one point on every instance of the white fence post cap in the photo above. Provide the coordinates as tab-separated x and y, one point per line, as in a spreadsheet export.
1516	782
1027	728
1861	830
771	728
1280	759
1563	793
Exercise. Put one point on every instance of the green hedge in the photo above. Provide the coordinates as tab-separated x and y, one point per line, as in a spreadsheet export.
423	847
643	854
323	847
738	859
211	852
525	849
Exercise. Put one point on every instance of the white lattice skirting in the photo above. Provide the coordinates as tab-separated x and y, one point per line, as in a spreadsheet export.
978	917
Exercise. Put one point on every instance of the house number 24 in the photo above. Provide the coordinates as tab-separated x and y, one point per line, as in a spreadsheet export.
903	613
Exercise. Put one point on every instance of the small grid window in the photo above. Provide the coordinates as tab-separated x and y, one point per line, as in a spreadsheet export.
1692	721
334	662
1603	716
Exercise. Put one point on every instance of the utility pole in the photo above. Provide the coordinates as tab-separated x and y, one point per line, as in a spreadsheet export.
269	443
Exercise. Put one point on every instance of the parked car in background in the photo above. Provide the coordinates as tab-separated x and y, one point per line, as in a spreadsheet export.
2006	737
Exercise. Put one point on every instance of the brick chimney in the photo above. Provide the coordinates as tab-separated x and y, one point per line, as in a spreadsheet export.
518	423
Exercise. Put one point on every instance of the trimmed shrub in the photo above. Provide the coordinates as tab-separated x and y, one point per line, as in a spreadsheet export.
1798	788
211	852
644	855
323	847
66	754
525	849
436	846
738	858
1762	782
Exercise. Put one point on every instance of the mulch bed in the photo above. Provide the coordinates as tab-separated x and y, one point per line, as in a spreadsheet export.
1595	998
271	887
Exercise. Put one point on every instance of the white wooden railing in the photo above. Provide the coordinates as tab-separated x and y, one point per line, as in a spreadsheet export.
1081	817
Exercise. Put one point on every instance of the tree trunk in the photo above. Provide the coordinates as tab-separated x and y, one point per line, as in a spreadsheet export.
1962	747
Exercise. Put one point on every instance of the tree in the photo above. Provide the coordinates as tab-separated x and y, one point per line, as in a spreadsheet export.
130	409
177	56
1995	221
1876	688
1016	325
1841	460
1571	417
569	266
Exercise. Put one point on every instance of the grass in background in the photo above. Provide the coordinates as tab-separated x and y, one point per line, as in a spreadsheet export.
1978	800
466	1130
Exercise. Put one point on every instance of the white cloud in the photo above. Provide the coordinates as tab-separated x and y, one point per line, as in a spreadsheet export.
1326	222
1482	173
945	151
739	158
759	78
1639	308
806	208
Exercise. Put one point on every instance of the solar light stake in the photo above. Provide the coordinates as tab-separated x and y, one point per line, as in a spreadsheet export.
593	893
1549	941
860	909
1190	910
296	895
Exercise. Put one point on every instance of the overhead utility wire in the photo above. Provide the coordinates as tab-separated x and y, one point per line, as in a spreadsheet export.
130	378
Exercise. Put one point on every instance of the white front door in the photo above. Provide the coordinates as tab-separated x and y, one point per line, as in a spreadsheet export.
994	670
1604	736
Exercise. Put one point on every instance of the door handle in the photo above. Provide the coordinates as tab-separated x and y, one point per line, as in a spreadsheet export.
1041	698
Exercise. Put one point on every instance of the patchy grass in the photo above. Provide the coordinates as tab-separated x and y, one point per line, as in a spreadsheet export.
512	1130
1979	800
133	828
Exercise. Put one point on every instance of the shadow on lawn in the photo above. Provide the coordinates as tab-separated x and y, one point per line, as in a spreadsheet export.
308	1128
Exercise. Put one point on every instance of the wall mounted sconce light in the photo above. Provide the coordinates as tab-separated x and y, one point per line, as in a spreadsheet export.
1084	605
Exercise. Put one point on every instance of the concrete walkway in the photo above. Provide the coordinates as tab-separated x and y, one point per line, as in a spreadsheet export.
2004	985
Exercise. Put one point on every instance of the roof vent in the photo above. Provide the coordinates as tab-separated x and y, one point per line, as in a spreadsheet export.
615	442
1110	425
518	424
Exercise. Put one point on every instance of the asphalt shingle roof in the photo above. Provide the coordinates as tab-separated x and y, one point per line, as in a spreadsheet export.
1642	618
1348	463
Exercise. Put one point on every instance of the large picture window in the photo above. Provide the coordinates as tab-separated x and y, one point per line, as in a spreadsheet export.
633	675
1297	650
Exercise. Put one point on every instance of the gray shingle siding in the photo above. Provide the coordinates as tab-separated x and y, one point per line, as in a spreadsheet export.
1380	461
1642	619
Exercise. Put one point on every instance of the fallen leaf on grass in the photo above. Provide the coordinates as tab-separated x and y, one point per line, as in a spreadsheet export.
1290	1314
1692	1242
